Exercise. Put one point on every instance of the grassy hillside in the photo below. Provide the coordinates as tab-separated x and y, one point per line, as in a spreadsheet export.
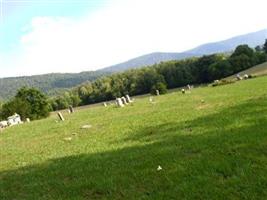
258	70
211	144
48	83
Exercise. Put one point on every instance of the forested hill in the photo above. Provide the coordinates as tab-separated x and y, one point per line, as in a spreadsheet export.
48	83
228	45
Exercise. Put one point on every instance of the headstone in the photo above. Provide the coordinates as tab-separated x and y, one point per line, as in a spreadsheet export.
238	77
183	91
86	126
60	116
71	109
128	99
245	76
159	168
124	101
188	87
157	92
3	124
119	102
105	104
28	120
68	139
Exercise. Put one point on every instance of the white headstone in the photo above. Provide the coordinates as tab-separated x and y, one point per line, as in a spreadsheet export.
60	116
119	102
71	109
128	99
3	124
245	76
188	87
157	92
105	104
124	101
238	77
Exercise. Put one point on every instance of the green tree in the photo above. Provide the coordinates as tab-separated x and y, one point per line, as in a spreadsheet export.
161	87
28	103
16	105
242	58
243	49
220	69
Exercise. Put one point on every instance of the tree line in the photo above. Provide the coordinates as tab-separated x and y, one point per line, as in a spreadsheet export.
51	84
162	76
31	103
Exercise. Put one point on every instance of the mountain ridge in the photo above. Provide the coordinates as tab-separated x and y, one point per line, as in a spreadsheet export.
252	39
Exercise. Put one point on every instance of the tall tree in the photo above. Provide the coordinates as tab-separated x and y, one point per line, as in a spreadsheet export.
29	103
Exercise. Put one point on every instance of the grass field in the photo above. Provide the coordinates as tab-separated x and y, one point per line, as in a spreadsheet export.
258	70
211	144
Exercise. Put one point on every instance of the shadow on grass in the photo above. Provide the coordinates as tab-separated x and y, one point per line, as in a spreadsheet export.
220	156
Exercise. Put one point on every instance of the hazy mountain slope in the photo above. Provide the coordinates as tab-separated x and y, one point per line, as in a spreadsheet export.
48	83
252	39
146	60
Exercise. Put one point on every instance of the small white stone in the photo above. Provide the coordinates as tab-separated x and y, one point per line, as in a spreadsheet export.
86	126
159	168
68	139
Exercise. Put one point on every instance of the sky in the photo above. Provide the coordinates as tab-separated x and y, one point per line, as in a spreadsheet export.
45	36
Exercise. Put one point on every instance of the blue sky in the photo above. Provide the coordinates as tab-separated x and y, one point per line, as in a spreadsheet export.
44	36
16	14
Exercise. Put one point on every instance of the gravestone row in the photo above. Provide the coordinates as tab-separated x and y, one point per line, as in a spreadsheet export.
121	102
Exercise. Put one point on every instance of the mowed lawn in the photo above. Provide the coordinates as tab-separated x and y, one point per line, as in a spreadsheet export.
210	143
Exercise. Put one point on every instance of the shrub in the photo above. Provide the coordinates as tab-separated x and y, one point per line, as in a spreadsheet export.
161	87
28	103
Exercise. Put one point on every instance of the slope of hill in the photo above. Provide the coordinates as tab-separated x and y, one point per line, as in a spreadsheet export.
258	70
48	83
212	148
252	39
147	60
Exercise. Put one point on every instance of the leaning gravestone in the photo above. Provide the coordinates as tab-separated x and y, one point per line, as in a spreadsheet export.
119	102
188	87
128	99
60	116
71	110
105	104
124	101
157	92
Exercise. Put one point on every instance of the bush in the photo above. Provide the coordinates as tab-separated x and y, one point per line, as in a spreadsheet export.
161	87
28	103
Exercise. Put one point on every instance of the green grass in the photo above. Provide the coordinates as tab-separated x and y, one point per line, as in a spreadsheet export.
258	70
211	150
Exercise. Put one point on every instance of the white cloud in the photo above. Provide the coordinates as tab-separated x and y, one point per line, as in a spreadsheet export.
129	29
